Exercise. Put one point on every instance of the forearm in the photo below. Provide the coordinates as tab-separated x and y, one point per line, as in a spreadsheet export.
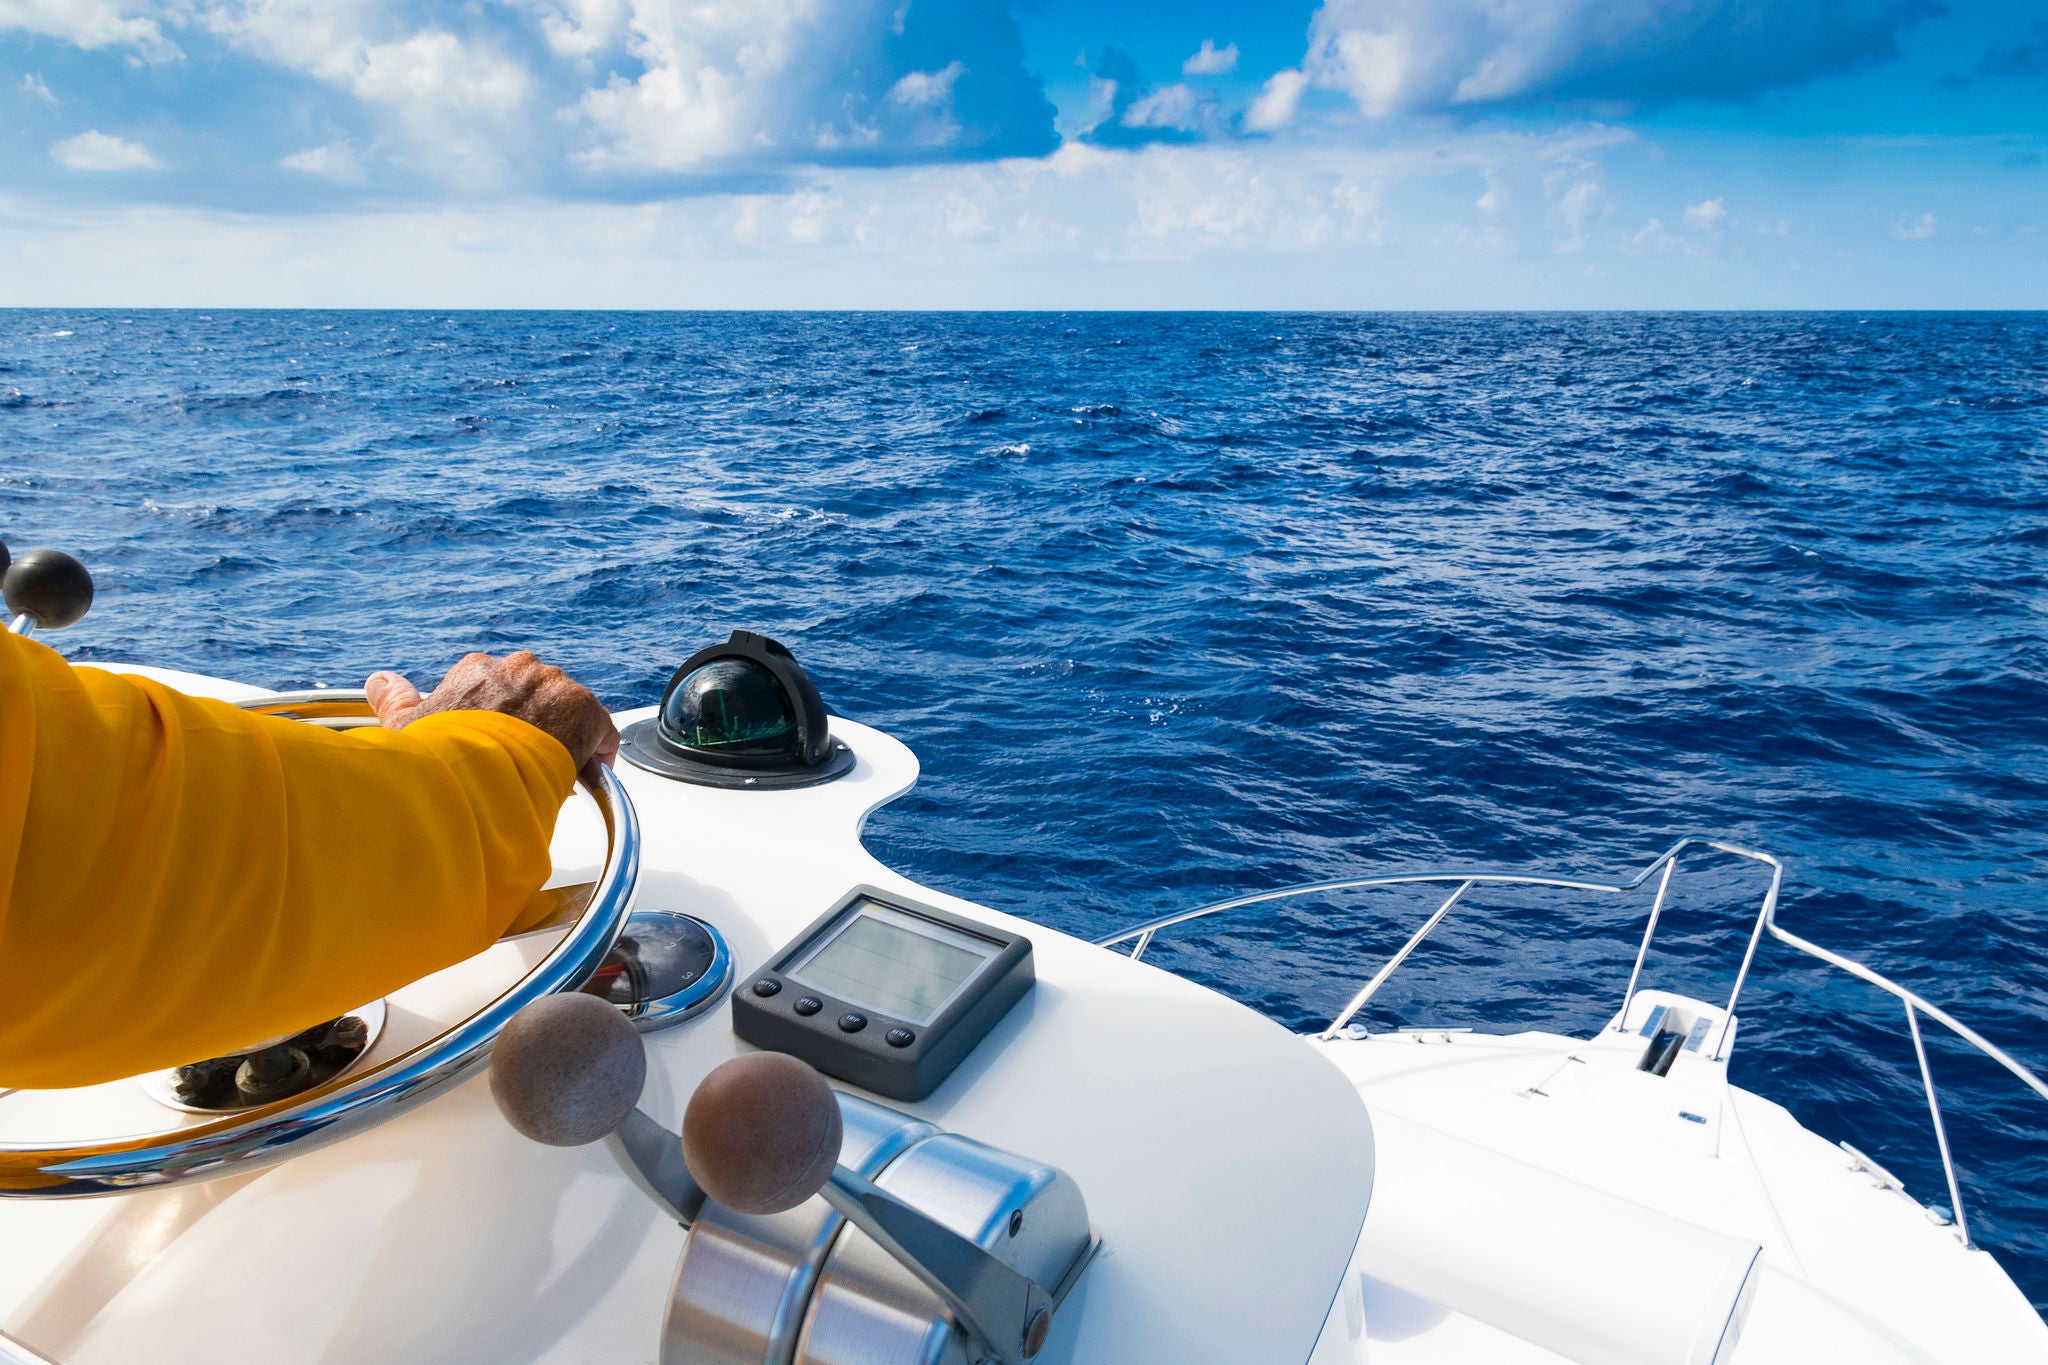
221	878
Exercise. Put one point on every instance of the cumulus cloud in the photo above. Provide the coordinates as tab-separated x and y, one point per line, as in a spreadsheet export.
1651	238
1129	113
1907	228
927	89
580	29
1577	205
428	75
1706	216
631	93
97	151
753	82
1278	101
335	162
90	24
1209	60
1700	232
1417	55
1177	107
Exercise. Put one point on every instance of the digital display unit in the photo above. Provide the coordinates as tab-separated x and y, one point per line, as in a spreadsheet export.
886	995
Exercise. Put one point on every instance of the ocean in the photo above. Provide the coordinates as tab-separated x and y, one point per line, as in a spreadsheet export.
1178	606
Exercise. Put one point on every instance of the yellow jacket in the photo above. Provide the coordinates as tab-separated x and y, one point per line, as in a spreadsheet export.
179	879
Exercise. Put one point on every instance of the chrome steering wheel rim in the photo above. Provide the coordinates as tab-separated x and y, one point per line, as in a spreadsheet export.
359	1099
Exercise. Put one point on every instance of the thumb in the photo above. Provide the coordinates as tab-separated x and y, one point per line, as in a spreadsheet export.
392	698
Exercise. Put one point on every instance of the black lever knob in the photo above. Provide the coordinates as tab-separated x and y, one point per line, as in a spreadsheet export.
3	559
47	586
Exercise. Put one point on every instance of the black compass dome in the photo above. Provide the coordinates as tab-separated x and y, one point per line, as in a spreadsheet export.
740	714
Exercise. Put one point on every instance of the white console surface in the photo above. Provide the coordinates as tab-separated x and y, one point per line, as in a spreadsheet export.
1226	1165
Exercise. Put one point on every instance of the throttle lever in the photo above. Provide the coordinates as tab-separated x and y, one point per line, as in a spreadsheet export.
761	1135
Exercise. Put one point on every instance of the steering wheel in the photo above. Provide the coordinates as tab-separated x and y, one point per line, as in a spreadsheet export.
352	1100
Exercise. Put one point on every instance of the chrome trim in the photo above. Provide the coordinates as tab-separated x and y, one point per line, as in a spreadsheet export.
652	1158
745	1282
1667	863
666	1011
959	1253
357	1100
23	625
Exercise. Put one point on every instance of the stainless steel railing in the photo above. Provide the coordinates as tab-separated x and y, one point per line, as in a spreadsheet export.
1663	868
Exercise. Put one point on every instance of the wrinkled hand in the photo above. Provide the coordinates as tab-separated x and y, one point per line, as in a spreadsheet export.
518	685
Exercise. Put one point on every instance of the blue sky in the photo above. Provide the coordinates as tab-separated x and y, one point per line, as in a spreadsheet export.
1025	153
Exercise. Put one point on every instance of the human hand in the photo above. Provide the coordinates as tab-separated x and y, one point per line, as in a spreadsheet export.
518	685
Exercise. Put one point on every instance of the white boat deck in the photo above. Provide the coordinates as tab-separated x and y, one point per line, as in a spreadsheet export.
1851	1267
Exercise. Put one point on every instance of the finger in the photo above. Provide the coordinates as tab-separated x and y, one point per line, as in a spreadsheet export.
608	746
392	697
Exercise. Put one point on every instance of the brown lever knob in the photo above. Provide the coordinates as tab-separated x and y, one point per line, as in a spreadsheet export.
762	1133
568	1069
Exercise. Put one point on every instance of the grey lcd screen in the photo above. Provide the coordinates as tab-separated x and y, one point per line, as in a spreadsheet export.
886	965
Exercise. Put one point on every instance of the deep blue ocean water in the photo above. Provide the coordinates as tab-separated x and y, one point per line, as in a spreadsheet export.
1174	607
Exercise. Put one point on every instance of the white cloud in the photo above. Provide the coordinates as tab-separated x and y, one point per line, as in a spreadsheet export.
927	89
431	78
1652	238
1706	216
90	24
1907	228
33	86
1577	206
965	217
730	79
333	161
580	29
97	151
1175	106
630	85
1209	60
435	70
1396	55
1269	224
1277	102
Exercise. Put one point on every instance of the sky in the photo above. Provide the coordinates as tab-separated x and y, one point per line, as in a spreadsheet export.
1025	153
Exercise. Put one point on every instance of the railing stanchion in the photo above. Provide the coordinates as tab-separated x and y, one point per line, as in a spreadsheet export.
1365	992
1649	932
1763	918
1948	1165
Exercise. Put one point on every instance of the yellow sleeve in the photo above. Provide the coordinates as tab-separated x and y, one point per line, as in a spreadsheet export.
179	878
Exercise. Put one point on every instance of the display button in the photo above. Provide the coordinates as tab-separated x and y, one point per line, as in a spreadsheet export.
900	1037
808	1005
767	986
852	1023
